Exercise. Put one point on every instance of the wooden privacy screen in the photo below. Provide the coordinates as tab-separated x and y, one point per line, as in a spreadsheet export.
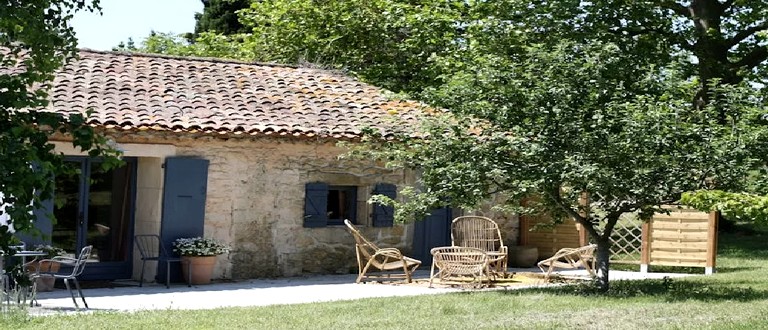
684	237
549	240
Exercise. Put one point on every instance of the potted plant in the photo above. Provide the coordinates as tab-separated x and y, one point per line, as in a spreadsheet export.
45	282
201	254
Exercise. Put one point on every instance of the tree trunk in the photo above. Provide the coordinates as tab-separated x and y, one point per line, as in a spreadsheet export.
603	256
710	50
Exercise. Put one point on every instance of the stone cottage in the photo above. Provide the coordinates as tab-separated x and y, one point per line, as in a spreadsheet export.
244	153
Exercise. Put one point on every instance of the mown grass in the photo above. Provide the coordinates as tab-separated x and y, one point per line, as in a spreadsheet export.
734	298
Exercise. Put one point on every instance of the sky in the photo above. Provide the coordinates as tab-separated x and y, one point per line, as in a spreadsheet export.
122	19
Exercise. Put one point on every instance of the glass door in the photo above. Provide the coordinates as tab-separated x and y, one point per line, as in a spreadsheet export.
94	207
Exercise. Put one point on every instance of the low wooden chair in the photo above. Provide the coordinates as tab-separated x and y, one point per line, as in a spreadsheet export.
570	258
484	234
388	261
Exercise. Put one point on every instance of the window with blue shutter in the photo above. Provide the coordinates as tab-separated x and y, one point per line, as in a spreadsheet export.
383	215
316	205
342	204
329	205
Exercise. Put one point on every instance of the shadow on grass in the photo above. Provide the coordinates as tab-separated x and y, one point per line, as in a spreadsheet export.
735	269
667	289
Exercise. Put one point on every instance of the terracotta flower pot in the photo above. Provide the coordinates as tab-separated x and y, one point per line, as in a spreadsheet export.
202	268
45	282
48	267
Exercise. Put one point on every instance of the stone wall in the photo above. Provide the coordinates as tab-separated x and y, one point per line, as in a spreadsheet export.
255	201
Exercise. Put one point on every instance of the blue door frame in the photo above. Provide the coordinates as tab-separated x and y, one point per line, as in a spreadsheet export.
104	217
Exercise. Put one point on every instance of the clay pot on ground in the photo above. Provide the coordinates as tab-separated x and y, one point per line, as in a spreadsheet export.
45	282
523	256
202	268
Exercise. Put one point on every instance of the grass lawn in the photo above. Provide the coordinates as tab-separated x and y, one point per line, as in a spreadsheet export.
734	298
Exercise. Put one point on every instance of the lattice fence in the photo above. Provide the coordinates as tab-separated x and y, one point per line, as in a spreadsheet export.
626	239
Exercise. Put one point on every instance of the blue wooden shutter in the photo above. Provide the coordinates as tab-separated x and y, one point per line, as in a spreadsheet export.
184	193
43	220
383	215
316	205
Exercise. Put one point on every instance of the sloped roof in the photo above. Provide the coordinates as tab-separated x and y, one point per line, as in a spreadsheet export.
164	93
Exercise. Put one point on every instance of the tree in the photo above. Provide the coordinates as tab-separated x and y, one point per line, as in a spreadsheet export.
392	43
558	126
36	40
219	16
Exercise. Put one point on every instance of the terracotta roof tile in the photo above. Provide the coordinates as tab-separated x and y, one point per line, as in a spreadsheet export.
155	92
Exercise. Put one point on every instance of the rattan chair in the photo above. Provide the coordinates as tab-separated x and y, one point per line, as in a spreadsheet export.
570	258
460	261
484	234
388	261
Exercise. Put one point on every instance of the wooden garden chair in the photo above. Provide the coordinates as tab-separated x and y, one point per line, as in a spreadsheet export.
484	234
460	261
570	258
388	261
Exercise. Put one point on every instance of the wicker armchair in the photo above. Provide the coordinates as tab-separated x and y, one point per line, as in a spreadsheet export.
458	261
484	234
388	261
570	258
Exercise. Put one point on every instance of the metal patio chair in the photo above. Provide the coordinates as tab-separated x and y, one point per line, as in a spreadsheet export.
152	249
77	264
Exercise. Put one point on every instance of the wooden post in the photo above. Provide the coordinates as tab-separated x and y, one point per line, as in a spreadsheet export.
712	243
524	230
645	246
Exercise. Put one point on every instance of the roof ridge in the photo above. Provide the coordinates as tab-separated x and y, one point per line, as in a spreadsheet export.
213	60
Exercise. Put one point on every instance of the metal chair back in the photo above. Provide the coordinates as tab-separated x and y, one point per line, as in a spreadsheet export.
150	247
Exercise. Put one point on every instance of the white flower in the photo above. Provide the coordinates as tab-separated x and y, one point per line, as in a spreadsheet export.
198	246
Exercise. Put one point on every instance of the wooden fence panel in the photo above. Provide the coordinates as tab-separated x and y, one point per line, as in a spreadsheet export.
682	238
549	239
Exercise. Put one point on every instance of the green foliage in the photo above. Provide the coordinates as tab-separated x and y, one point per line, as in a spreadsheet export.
390	43
219	16
736	206
407	45
206	45
559	122
36	40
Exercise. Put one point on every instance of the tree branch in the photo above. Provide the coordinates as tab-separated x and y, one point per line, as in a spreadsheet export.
746	33
751	60
555	195
636	31
676	8
726	5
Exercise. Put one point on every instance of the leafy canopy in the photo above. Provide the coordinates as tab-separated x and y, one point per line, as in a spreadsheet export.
35	40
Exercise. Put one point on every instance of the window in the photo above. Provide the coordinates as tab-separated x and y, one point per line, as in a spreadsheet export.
329	205
342	204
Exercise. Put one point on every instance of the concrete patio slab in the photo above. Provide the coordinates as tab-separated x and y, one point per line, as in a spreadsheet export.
261	292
